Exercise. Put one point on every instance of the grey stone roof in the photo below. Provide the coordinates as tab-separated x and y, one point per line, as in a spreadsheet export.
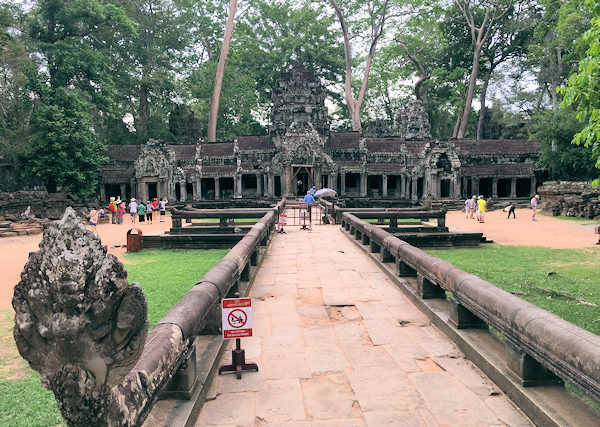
344	141
123	153
216	149
496	146
500	170
255	142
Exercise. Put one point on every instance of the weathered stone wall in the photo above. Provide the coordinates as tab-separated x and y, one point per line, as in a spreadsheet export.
576	199
43	204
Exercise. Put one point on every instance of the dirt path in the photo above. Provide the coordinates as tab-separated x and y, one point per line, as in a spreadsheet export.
14	251
546	231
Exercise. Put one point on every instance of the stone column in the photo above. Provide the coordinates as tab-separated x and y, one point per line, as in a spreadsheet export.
237	183
532	188
103	193
363	184
286	183
183	191
123	191
414	187
495	188
398	190
217	188
384	183
258	185
513	187
198	189
343	183
194	191
133	186
475	186
403	179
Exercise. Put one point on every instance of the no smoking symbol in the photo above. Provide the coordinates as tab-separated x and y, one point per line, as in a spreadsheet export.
237	318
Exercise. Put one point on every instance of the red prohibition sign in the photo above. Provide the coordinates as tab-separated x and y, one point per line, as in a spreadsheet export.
237	318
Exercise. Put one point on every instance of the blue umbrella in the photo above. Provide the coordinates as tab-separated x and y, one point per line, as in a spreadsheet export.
324	192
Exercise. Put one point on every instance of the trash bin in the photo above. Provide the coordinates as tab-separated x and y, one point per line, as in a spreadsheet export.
135	240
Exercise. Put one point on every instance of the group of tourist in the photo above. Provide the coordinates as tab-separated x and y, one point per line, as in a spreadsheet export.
138	212
478	205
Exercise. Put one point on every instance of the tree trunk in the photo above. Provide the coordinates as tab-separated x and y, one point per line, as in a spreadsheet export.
456	126
483	109
143	113
470	93
216	96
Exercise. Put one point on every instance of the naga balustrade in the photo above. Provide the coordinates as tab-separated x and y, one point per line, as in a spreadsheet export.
90	349
542	348
180	216
393	215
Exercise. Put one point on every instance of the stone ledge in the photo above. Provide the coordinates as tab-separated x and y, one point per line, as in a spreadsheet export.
548	406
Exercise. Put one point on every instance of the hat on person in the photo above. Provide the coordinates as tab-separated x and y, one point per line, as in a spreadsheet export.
474	197
537	196
480	197
133	199
112	199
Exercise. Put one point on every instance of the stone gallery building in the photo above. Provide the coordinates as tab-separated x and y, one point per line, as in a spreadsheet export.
300	151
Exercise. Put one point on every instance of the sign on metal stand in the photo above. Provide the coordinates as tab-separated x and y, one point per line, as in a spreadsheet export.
282	223
237	323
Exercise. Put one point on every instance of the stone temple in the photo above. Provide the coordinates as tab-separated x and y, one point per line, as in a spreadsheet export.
300	151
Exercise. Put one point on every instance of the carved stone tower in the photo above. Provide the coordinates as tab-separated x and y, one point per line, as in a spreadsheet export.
298	96
413	122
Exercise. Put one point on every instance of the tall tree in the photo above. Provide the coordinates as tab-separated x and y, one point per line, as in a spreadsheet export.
372	14
216	96
72	83
481	17
584	88
509	41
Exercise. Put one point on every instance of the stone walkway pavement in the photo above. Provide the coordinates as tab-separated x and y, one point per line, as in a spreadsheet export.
337	344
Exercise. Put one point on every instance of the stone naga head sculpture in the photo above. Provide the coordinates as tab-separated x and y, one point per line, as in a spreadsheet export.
77	320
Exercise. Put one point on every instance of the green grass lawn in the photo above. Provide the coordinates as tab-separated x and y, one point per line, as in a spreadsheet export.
563	281
165	277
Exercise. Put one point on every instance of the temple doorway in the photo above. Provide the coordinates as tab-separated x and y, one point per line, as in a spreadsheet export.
302	179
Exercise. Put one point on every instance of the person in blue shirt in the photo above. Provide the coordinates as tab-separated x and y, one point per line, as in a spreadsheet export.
313	190
309	199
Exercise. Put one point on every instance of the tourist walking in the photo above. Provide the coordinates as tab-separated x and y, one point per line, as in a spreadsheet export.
534	203
470	207
112	207
149	210
155	207
481	209
120	213
133	211
93	217
162	205
141	212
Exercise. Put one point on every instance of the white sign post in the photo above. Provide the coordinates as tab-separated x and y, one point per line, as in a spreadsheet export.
237	317
237	323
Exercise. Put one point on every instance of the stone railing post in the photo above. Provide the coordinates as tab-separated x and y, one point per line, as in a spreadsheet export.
79	323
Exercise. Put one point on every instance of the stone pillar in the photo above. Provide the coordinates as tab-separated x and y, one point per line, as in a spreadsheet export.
103	193
456	186
495	188
183	191
384	183
343	183
198	189
133	186
217	189
237	186
259	185
286	183
123	191
414	187
475	186
513	187
399	186
363	184
533	183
